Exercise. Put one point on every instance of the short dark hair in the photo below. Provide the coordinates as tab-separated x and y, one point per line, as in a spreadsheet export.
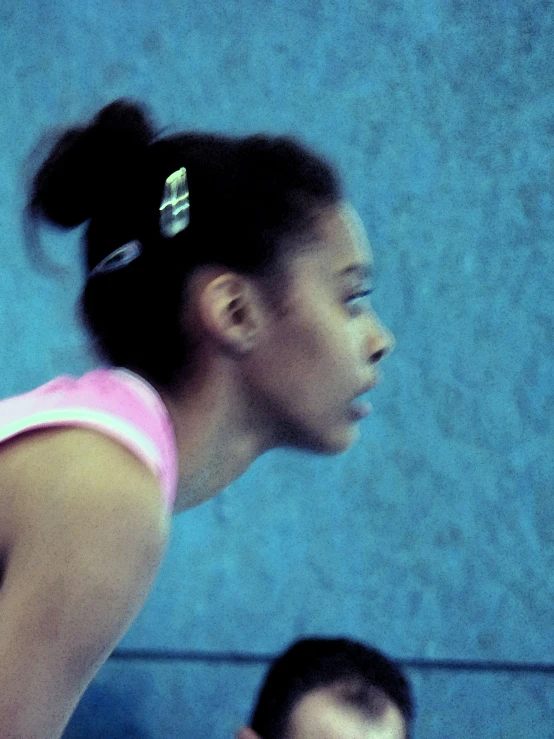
249	198
320	662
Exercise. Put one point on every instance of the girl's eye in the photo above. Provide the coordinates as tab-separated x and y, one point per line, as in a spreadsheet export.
356	303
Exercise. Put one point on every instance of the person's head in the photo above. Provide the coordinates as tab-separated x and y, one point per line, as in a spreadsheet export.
332	689
267	277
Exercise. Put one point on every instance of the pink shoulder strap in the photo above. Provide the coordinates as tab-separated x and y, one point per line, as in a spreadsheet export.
113	401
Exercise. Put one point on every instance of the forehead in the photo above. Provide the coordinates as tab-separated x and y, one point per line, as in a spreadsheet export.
340	240
322	714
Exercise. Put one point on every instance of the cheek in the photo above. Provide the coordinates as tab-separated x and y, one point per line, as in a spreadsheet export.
319	359
312	348
333	347
309	359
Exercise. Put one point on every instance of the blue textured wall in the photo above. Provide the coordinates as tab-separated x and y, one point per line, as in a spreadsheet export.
434	537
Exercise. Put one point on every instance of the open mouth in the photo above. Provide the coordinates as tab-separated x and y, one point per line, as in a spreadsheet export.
360	409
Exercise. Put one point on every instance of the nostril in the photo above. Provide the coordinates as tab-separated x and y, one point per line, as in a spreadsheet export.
378	355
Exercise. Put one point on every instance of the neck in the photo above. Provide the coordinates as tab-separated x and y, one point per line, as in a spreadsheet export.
217	434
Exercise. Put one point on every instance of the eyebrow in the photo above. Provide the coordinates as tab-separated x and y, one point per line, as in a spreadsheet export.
364	270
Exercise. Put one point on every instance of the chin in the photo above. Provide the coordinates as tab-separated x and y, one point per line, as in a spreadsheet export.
329	439
346	443
334	444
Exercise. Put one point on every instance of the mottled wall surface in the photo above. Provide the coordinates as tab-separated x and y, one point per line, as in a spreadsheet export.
434	537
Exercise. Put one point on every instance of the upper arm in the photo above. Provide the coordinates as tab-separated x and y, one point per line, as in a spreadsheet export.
91	535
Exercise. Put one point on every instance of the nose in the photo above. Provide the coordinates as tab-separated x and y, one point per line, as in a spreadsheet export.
381	341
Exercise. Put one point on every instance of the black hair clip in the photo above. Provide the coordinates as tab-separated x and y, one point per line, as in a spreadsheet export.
118	259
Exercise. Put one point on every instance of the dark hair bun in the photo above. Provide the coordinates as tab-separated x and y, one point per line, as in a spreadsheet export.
88	164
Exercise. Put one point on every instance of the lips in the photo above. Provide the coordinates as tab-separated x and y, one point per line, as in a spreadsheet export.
369	387
360	410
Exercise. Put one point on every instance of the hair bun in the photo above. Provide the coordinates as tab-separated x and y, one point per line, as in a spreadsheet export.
87	165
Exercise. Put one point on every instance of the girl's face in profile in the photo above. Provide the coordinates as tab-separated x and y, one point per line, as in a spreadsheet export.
319	353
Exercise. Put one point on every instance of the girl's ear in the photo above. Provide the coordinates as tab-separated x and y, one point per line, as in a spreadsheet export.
229	309
246	733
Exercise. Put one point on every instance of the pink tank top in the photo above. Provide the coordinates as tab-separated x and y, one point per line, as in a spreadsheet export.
113	401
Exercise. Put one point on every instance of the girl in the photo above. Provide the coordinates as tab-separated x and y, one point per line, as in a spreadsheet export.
234	321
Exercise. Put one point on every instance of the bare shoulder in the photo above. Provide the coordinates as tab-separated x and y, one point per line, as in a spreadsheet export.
84	533
77	478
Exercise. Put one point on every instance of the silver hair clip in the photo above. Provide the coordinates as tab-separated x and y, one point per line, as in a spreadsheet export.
174	209
118	259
